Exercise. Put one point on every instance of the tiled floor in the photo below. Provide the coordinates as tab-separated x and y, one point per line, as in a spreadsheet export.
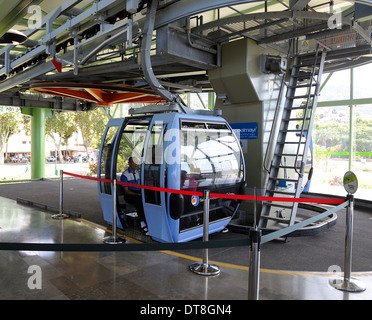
130	275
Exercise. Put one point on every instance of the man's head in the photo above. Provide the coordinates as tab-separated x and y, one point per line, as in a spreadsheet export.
133	163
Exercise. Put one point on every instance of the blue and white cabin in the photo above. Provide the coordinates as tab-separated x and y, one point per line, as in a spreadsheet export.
176	151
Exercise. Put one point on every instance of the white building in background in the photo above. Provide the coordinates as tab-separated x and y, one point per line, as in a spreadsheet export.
19	148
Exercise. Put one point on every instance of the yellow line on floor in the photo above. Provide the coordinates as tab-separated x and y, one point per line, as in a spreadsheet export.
229	265
221	264
180	255
107	230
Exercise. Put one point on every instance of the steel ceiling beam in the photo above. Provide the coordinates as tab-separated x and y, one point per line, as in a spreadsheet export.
183	9
13	11
263	16
56	103
164	16
293	34
297	5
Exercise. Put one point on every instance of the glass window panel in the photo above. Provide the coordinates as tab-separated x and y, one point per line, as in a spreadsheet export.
106	157
362	160
212	156
337	87
153	163
210	159
132	143
362	82
331	150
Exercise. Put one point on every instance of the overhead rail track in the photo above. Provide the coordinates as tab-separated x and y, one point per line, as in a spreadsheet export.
101	41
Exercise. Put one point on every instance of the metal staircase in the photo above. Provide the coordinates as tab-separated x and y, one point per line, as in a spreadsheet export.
287	170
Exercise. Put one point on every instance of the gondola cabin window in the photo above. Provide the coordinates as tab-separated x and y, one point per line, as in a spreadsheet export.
106	158
153	162
210	159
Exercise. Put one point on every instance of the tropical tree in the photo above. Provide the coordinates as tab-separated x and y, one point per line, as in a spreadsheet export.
363	141
60	127
92	125
9	125
330	134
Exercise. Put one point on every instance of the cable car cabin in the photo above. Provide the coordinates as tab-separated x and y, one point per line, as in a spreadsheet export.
177	151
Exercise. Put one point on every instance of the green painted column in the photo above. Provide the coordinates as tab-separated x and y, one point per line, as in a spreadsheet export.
211	100
37	143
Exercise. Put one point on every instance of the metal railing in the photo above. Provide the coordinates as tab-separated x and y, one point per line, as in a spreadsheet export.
205	268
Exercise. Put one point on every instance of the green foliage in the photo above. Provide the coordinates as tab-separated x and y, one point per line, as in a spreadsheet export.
9	124
93	168
121	164
334	135
336	181
331	134
61	124
92	125
60	127
363	138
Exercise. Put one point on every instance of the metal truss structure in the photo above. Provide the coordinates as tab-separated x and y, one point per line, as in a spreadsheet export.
102	42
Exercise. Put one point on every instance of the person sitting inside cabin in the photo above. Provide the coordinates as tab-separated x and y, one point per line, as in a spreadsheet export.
133	194
188	182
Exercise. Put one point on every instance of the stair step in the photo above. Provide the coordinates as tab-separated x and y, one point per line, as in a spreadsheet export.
299	108
303	65
291	130
296	119
302	96
284	220
273	204
282	179
292	142
307	85
288	154
305	75
281	192
285	167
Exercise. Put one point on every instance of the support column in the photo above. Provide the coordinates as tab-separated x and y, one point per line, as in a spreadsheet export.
244	96
37	143
211	100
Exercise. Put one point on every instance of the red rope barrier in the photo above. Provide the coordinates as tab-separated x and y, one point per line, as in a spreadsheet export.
213	195
141	186
86	177
308	200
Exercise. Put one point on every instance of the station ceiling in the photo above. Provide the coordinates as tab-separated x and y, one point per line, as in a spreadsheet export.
88	41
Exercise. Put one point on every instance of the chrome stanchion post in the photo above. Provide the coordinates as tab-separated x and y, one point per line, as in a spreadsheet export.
60	215
349	238
114	239
254	264
347	283
254	256
205	268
